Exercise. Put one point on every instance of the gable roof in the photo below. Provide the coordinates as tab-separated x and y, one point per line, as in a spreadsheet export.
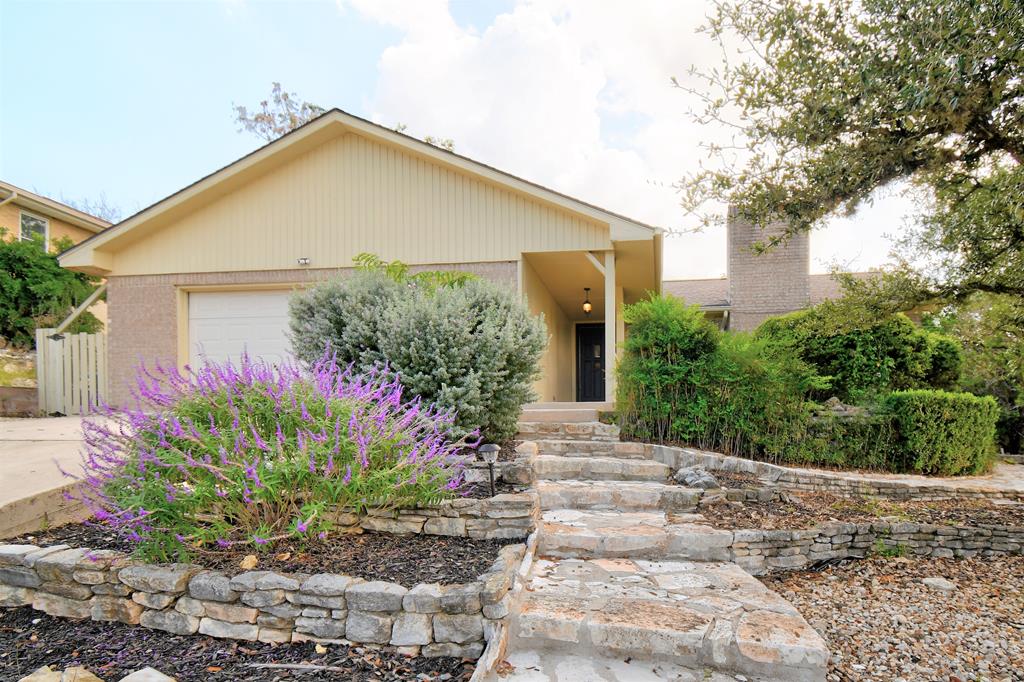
87	256
52	208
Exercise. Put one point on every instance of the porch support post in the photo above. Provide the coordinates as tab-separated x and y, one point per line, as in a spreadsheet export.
610	325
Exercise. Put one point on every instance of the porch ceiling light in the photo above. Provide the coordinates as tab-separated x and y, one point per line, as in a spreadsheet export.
587	305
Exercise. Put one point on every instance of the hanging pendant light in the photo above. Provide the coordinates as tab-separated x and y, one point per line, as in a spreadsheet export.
587	305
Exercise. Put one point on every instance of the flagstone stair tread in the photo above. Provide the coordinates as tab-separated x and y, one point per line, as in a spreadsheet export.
554	467
699	614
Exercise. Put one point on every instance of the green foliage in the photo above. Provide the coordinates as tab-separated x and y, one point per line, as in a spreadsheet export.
457	341
943	433
866	357
36	292
991	330
835	99
400	272
681	380
889	550
252	454
865	441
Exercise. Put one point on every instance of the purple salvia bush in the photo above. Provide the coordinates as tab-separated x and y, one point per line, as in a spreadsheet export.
221	455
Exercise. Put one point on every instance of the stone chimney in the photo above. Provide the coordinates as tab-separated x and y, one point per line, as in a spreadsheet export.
767	284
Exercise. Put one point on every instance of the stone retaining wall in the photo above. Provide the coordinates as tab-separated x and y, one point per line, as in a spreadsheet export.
510	516
823	481
265	606
764	551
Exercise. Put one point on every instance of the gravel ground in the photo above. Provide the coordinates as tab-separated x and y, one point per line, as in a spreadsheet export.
883	623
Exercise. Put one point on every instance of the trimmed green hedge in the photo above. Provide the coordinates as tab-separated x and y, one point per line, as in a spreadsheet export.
682	381
943	433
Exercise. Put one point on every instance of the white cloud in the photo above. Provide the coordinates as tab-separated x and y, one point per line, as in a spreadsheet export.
576	96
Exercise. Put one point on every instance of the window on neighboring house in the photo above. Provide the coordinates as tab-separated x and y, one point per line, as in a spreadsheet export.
34	225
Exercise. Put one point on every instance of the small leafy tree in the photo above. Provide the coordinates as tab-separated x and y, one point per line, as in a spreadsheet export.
35	291
282	113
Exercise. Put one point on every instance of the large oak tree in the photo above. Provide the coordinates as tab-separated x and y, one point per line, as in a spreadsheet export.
833	100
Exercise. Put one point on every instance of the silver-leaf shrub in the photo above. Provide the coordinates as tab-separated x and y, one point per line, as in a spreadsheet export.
474	348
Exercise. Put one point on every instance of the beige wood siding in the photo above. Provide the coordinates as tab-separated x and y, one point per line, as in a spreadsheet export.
556	381
351	195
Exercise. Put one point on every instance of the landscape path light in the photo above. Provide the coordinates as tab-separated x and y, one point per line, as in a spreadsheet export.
489	454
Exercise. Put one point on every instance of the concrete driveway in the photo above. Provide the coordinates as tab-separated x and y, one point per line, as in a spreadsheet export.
31	486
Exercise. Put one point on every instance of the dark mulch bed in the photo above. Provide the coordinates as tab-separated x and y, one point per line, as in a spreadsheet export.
806	510
30	639
404	559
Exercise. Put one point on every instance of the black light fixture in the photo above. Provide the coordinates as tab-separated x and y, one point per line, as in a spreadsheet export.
489	454
587	305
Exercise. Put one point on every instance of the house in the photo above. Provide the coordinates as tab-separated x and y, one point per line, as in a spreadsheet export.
209	269
758	285
25	215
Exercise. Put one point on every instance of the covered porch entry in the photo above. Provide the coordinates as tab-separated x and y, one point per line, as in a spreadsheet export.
580	295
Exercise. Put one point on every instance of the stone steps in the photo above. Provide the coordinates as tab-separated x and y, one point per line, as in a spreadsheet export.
562	413
573	533
706	616
617	496
539	665
580	431
591	448
557	467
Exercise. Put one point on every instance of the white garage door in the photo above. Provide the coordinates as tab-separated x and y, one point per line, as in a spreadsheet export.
223	324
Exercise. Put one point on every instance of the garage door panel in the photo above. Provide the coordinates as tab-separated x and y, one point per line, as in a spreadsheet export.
224	324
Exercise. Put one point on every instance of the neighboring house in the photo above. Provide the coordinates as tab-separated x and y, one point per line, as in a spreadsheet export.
758	286
26	215
210	268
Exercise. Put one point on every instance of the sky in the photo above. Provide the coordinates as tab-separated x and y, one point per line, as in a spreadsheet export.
131	101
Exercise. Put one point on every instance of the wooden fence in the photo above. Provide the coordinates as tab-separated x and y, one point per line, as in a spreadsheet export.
71	371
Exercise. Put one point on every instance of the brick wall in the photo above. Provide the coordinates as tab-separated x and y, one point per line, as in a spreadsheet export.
143	311
767	284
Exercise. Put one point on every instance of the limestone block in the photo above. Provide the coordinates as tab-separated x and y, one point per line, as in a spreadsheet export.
226	630
262	580
19	576
361	626
169	621
327	585
209	586
375	595
423	598
116	609
321	627
12	595
469	650
412	629
458	628
153	600
230	613
261	598
157	578
61	606
192	607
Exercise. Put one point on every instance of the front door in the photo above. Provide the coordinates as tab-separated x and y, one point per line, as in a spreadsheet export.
590	362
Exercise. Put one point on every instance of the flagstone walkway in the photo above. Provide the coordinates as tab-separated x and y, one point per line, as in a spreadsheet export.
621	590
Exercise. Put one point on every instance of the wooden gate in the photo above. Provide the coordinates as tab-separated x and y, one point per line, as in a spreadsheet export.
71	371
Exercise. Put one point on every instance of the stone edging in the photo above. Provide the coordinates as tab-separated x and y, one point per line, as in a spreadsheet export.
765	551
510	516
821	481
105	585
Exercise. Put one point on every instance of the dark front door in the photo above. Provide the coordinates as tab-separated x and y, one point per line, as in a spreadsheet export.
590	362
